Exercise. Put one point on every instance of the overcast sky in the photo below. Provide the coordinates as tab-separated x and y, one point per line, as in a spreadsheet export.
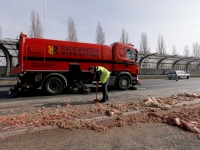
177	20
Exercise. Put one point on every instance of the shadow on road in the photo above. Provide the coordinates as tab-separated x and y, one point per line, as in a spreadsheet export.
4	93
39	92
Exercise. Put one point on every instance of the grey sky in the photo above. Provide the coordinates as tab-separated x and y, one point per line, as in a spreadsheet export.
177	20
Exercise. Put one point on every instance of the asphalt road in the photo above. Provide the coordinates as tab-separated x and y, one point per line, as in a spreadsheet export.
148	136
148	87
138	136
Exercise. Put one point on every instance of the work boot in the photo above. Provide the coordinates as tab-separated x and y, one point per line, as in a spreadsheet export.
102	101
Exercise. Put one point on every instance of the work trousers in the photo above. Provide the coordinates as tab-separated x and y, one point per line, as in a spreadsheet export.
105	90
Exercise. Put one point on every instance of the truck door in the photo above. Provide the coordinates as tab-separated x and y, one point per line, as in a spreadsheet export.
130	55
125	60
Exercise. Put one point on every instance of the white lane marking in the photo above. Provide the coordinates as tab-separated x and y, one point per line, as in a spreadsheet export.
160	85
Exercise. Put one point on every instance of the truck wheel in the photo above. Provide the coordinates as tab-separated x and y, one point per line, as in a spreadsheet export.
188	77
123	82
53	86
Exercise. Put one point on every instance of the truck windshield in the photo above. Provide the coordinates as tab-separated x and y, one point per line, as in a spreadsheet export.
130	54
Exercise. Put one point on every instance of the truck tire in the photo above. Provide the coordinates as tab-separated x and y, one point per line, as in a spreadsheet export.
188	77
123	82
53	86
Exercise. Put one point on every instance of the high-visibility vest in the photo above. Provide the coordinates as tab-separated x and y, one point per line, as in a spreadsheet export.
104	74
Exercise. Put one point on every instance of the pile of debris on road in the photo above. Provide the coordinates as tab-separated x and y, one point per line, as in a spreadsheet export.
186	116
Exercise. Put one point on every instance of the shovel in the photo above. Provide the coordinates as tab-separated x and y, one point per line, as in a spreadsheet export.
96	100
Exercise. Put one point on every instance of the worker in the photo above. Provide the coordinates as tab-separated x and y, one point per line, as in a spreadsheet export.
103	75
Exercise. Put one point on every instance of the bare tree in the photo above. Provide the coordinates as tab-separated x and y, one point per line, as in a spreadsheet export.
196	50
174	51
0	32
124	36
100	35
186	51
72	35
36	29
127	38
144	44
1	52
161	45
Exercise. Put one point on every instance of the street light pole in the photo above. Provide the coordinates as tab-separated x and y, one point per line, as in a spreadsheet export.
44	16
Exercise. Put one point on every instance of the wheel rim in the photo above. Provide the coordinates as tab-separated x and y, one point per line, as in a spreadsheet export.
124	82
54	86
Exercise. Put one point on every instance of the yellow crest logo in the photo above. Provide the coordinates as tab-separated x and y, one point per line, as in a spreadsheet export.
52	49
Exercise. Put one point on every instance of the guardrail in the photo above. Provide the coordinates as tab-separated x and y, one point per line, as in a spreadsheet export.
9	78
162	76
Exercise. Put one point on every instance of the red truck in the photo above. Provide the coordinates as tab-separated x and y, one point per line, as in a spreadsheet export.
56	65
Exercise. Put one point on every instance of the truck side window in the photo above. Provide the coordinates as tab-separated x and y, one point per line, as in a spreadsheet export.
130	54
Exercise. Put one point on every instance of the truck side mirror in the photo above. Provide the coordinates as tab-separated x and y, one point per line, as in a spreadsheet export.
136	55
136	58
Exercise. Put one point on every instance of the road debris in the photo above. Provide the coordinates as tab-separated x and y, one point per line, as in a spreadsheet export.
2	118
155	110
152	102
166	107
191	126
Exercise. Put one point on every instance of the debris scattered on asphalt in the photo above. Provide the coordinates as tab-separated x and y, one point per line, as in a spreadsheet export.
191	126
155	110
152	102
112	112
2	118
166	107
190	95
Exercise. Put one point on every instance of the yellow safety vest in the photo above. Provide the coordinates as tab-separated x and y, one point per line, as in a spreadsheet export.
104	74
